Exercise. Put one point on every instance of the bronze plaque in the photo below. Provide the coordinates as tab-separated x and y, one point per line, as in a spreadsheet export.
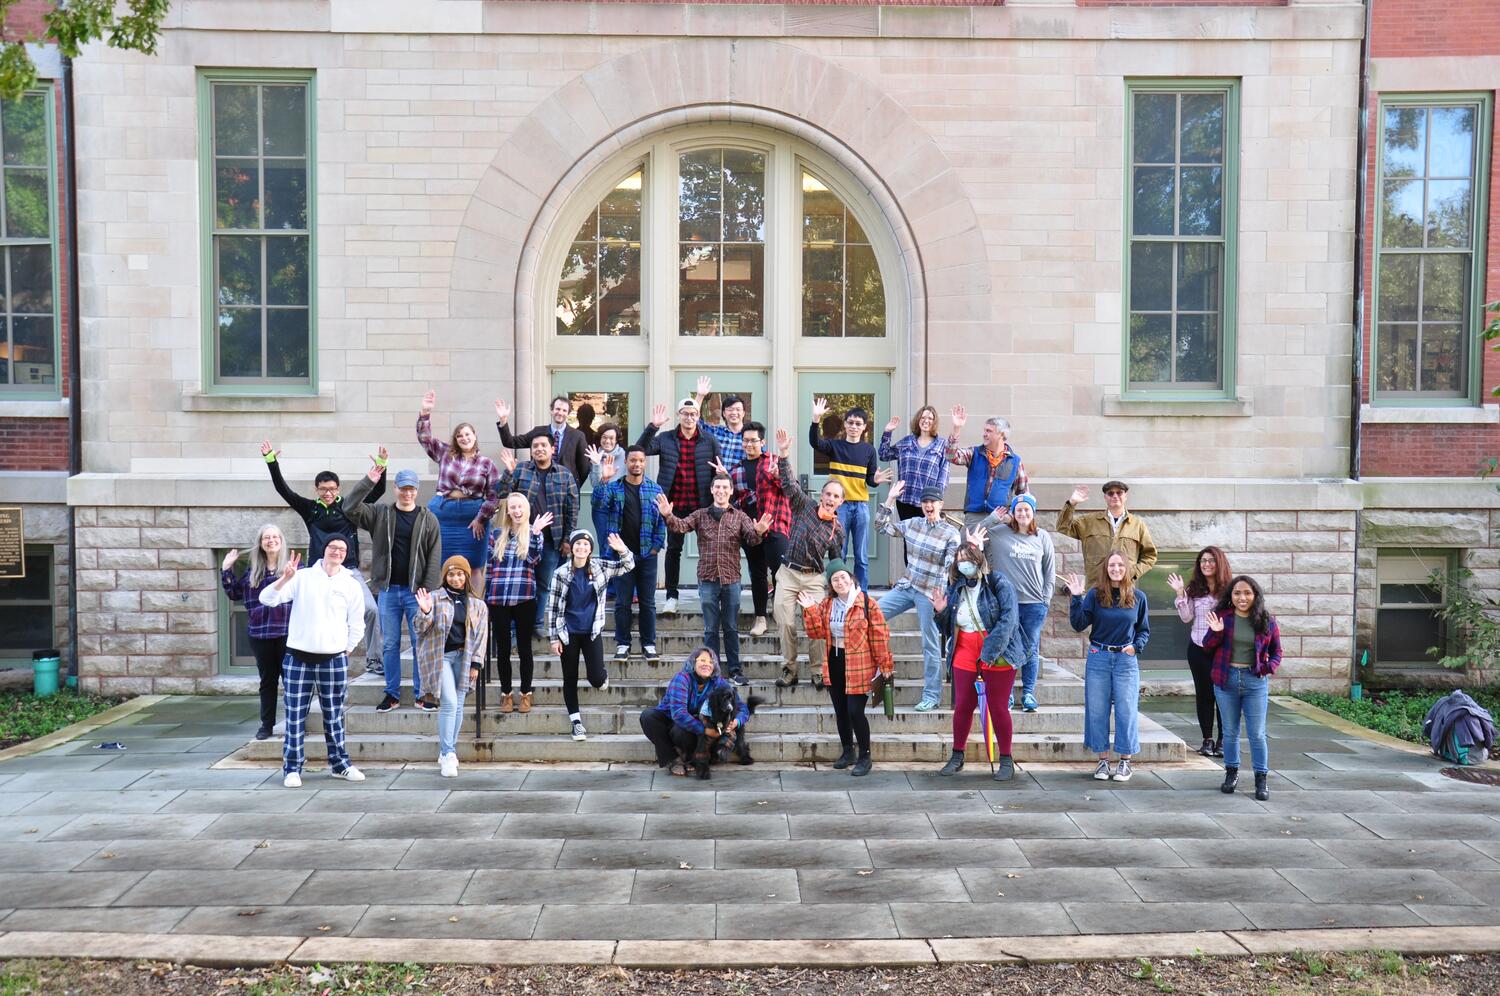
12	543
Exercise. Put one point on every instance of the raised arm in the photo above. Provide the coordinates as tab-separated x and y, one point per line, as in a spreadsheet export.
356	509
298	503
430	446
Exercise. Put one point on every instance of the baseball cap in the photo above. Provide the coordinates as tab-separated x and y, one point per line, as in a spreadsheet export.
407	479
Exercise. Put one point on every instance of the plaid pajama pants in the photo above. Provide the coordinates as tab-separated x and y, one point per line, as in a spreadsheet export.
302	681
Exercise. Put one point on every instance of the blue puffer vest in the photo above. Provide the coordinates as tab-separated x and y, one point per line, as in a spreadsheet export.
976	497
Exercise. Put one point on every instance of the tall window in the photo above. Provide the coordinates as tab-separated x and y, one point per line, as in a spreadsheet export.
26	607
722	235
1169	634
600	289
1425	311
842	292
1181	225
1407	625
28	338
260	177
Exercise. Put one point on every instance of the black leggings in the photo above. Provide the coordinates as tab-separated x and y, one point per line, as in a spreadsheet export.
523	614
1201	663
764	560
905	511
672	742
592	650
848	710
268	655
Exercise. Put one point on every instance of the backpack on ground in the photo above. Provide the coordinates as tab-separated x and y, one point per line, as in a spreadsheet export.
1459	729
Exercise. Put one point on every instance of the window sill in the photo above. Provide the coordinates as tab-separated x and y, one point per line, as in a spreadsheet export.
1483	415
197	401
1196	407
57	408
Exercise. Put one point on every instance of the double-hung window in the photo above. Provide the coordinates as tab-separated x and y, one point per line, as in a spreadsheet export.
28	315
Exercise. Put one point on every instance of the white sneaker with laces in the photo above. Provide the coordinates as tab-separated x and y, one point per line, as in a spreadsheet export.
579	733
669	607
350	774
758	628
1122	773
448	765
1101	773
622	651
293	780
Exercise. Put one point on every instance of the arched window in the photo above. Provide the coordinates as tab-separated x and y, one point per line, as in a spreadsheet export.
842	290
599	290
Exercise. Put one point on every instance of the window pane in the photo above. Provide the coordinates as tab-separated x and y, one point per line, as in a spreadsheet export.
239	269
698	290
1445	287
1405	141
1151	276
285	109
822	291
698	181
286	342
239	342
27	213
30	280
744	196
1398	287
1154	129
34	360
237	193
36	586
1452	139
866	305
286	270
1401	214
25	627
1398	357
1150	349
832	426
1440	358
589	230
822	213
620	290
1404	635
1202	200
286	193
1410	594
1199	267
576	291
1154	194
1202	128
1197	346
853	233
25	130
620	211
235	119
1448	207
602	407
744	277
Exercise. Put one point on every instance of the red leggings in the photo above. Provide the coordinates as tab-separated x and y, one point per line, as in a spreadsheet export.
997	688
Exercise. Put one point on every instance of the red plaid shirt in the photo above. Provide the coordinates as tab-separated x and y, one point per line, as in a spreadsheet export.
684	492
763	494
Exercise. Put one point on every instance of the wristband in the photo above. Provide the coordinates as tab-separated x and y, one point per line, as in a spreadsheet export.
381	461
270	457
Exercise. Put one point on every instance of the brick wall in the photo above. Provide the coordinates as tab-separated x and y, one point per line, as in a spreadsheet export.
1182	3
33	443
1432	28
25	21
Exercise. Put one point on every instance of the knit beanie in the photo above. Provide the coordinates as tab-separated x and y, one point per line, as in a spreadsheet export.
462	564
834	566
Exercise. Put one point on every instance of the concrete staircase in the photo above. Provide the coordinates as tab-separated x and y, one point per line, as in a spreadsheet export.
791	724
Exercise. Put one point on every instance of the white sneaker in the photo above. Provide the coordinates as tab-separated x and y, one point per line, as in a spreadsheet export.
579	733
293	780
669	607
649	650
1101	773
605	687
448	765
758	628
622	651
350	774
1122	773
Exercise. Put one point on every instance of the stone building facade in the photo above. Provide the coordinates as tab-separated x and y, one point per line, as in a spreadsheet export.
1002	168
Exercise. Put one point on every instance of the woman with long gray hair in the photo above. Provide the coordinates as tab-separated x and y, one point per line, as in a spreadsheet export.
268	624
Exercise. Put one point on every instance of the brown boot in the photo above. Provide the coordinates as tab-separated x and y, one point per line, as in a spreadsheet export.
525	701
507	702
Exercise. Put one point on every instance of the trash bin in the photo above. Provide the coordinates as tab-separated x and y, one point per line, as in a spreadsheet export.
44	667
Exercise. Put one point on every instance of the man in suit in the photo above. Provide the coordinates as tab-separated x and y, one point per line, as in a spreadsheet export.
569	446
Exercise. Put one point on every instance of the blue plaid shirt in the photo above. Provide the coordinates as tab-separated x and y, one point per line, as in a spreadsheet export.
267	622
731	444
609	506
509	579
919	468
554	490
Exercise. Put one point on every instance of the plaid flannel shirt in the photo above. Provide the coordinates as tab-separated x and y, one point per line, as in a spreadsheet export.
432	636
601	573
718	541
964	455
812	540
267	622
731	444
919	467
476	476
763	494
552	490
683	493
930	548
509	579
609	509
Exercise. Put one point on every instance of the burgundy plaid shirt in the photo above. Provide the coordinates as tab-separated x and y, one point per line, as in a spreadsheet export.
763	494
684	493
475	476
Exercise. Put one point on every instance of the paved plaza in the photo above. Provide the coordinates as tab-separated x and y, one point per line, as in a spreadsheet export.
166	837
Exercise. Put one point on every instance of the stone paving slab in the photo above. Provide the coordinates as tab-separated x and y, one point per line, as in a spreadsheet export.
220	888
208	950
325	888
149	919
1288	852
147	826
308	921
1305	916
34	889
368	854
1021	885
806	921
46	856
458	922
507	887
466	951
957	920
507	853
15	802
1378	886
643	854
148	855
495	801
234	801
1100	854
1152	918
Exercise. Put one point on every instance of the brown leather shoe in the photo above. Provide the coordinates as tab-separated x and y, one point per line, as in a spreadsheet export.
508	702
788	677
526	701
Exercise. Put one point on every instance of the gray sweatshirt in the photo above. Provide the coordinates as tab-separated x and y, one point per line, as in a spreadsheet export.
1027	563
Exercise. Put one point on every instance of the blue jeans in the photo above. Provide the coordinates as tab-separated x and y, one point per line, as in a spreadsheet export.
903	598
640	580
544	571
453	677
398	605
1111	679
721	613
1032	616
454	516
854	516
1243	690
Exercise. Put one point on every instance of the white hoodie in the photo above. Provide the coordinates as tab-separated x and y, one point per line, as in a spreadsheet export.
328	613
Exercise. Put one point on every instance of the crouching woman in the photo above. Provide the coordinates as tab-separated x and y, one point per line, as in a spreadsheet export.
1246	646
674	725
452	626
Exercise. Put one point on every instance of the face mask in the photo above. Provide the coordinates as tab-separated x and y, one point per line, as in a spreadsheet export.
968	568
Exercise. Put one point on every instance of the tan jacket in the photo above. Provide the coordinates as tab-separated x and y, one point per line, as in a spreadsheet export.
1093	531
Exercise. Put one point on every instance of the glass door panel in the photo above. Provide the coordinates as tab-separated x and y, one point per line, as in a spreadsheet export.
842	391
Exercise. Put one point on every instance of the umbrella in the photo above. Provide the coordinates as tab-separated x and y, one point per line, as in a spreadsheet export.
984	719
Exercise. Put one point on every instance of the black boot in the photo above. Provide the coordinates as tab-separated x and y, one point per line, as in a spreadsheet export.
955	764
1006	769
1261	792
1207	750
862	766
1231	779
845	759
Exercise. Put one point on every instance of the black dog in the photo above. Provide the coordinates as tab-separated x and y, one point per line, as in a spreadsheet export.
713	745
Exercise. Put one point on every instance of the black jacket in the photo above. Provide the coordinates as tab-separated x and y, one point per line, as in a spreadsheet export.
573	454
323	522
664	445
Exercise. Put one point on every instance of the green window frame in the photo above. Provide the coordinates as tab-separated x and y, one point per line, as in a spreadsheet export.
258	214
235	653
29	322
1179	267
1407	603
28	602
1427	299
